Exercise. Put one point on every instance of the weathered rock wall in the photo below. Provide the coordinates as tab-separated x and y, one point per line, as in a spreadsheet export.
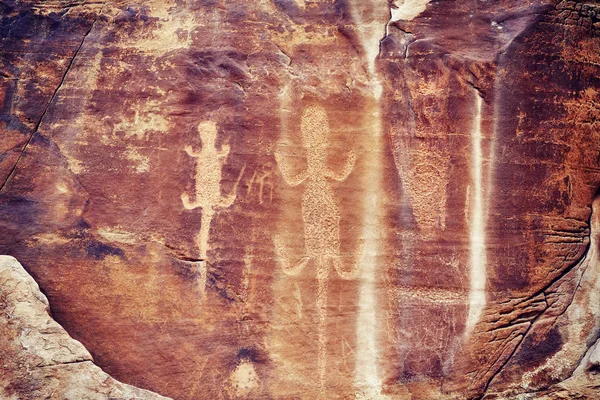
39	359
294	199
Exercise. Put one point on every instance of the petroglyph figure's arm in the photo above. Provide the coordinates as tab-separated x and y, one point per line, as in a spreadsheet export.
287	177
355	270
284	260
190	152
345	171
187	204
224	152
228	200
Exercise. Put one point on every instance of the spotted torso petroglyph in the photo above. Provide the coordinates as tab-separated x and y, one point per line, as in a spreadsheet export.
320	215
320	212
321	219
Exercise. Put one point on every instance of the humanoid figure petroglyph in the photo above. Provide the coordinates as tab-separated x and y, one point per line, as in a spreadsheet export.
320	214
209	162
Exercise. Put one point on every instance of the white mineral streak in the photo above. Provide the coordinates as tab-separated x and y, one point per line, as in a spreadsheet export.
478	261
366	373
369	33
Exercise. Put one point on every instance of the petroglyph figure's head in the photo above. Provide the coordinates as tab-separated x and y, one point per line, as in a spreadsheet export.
314	127
208	133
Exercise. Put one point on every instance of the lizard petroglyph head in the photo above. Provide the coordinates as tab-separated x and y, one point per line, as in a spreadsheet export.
314	127
208	133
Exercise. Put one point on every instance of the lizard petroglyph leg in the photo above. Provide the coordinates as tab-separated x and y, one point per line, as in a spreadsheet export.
284	259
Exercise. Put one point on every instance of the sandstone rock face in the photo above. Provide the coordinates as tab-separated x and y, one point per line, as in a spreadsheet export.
39	358
311	199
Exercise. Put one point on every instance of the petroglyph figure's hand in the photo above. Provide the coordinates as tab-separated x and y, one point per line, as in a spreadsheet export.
343	174
187	204
287	177
355	270
224	150
190	152
227	201
283	257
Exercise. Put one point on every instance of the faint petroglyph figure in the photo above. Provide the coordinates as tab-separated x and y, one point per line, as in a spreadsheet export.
209	162
320	214
261	179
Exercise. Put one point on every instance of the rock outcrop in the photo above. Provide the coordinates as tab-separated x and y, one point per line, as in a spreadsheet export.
39	359
311	198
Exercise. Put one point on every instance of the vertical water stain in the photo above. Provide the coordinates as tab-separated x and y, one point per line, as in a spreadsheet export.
477	260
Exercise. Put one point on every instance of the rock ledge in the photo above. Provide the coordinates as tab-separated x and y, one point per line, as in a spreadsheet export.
38	358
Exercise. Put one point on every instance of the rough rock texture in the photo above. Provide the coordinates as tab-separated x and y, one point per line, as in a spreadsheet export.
39	359
303	199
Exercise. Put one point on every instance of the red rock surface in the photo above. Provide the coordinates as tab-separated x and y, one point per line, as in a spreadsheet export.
303	199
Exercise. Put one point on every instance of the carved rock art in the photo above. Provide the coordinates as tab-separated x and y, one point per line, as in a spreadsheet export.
208	189
320	214
476	127
258	182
